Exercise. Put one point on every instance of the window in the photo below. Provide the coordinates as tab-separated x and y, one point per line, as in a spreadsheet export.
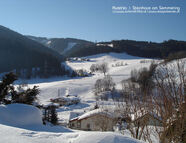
72	125
88	126
78	125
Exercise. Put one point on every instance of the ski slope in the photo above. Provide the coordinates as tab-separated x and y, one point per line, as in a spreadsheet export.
69	47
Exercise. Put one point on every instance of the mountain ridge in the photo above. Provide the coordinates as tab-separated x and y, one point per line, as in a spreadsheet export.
20	52
71	47
61	45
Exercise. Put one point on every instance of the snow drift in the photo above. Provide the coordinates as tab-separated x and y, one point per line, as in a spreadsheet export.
14	135
20	115
107	137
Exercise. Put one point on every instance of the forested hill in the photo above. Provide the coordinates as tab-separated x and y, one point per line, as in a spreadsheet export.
61	45
135	48
150	49
19	52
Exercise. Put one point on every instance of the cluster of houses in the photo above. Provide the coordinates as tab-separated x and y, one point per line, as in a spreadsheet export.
77	59
62	101
105	44
100	120
67	99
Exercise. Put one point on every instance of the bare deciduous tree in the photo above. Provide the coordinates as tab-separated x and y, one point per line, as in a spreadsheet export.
93	68
169	99
133	108
104	68
99	67
105	84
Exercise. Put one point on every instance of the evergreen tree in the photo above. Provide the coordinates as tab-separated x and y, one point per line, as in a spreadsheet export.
8	94
6	85
50	114
53	115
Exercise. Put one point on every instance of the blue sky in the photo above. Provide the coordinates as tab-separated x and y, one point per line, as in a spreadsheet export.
93	19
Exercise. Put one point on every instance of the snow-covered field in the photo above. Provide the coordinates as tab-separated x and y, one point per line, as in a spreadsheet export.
83	88
10	134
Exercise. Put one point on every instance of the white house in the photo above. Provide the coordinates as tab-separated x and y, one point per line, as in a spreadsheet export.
95	120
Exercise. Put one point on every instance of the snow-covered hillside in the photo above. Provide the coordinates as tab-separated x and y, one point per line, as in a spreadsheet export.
70	46
83	87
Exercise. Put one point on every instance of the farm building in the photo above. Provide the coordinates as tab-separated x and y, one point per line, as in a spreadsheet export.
70	100
95	120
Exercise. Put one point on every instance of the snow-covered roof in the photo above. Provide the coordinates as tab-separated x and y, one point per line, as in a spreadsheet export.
104	44
92	113
74	115
69	98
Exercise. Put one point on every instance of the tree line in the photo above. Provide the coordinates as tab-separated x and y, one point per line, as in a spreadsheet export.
164	50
